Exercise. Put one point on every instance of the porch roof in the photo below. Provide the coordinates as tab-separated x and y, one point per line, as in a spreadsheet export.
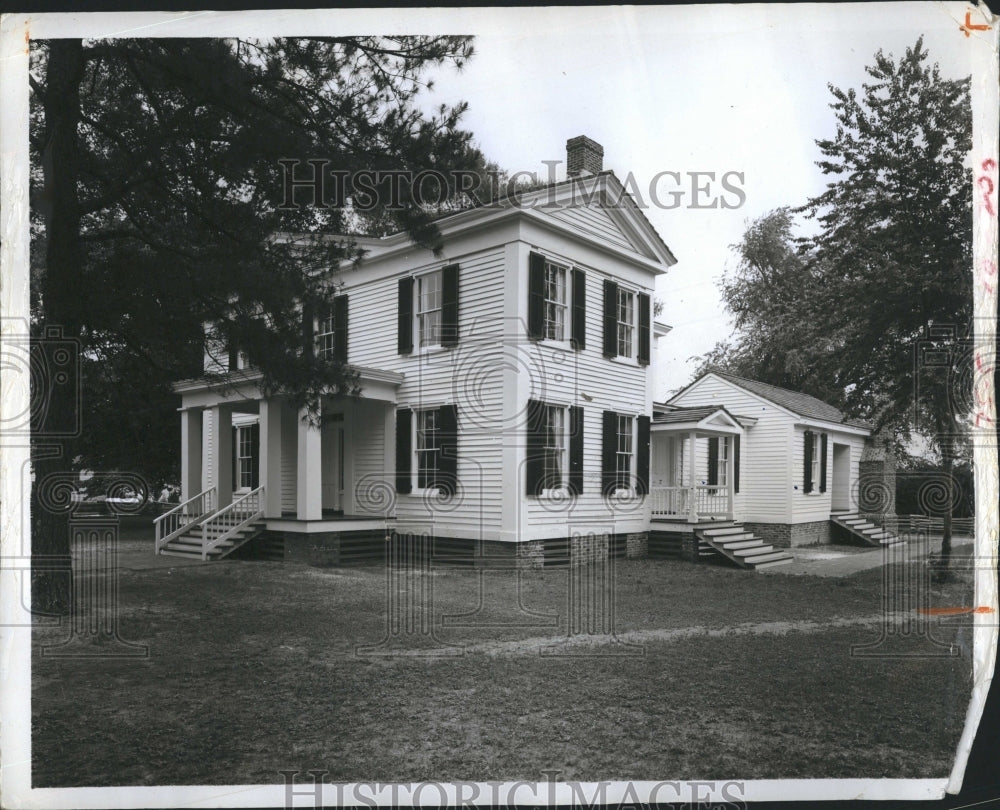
245	385
706	417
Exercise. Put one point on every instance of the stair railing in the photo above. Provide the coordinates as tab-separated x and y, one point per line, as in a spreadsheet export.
231	519
184	516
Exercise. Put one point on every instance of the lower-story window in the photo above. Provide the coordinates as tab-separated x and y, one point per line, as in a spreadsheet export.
246	453
427	447
626	452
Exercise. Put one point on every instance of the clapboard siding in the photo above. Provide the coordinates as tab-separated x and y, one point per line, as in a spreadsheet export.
816	505
368	446
595	220
462	375
562	376
207	468
765	477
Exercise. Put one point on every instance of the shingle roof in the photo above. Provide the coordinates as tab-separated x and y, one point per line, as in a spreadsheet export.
686	414
795	401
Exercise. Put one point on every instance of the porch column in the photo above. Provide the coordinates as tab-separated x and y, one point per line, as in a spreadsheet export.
309	487
222	452
692	492
191	427
270	455
730	472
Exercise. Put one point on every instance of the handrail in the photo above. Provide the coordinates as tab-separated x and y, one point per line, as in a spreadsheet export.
171	524
250	506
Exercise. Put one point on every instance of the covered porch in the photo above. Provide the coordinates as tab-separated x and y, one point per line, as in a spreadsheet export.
262	459
695	464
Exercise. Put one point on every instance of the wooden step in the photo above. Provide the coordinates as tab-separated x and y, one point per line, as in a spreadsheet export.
780	559
747	553
723	531
749	542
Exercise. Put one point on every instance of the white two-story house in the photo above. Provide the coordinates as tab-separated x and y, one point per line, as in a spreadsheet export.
506	412
505	403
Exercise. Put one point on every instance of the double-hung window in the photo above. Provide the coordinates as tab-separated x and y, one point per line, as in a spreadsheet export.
556	306
429	300
625	455
626	323
427	448
815	466
554	438
325	335
245	451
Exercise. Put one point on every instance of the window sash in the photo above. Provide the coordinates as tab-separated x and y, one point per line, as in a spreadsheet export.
554	438
723	471
626	323
625	453
429	300
555	307
325	337
427	447
244	458
814	471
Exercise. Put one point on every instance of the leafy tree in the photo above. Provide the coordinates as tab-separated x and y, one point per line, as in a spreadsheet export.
888	272
158	206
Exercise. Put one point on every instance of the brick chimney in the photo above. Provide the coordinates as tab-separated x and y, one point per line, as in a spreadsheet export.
583	156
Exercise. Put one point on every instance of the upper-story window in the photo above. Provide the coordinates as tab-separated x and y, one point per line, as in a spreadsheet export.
557	302
325	335
556	305
429	309
626	323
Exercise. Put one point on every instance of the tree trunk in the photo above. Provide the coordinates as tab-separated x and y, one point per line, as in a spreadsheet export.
947	466
55	414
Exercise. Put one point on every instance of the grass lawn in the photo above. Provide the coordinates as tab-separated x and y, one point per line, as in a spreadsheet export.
717	673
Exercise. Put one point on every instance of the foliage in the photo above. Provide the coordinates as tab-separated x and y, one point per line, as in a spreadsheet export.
843	315
157	207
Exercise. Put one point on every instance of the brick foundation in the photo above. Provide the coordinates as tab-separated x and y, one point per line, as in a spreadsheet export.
787	535
637	545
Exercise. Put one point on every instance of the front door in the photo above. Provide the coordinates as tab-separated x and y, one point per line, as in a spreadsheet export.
333	465
840	482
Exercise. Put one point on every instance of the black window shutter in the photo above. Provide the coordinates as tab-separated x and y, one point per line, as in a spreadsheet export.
447	449
404	340
404	419
610	319
234	355
609	452
255	456
235	481
736	464
307	329
575	450
340	329
713	460
449	305
642	457
536	296
534	467
807	455
644	334
578	314
822	462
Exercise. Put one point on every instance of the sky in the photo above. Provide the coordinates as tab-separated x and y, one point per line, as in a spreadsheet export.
685	89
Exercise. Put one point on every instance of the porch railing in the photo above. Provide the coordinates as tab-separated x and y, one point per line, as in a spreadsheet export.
230	519
670	501
183	516
691	503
